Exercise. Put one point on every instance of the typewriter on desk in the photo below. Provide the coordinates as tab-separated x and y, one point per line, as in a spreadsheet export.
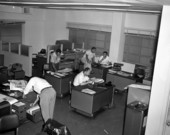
117	66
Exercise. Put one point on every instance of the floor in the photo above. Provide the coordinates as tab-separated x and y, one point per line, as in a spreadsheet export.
106	122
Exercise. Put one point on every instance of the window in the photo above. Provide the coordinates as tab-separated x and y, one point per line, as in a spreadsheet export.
24	50
90	38
139	49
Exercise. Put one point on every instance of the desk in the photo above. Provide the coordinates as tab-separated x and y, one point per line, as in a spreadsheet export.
89	104
120	81
60	84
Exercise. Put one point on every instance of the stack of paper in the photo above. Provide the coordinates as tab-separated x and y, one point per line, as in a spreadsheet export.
65	70
89	91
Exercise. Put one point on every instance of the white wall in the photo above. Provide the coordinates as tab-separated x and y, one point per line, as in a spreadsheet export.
129	20
142	21
160	93
93	17
54	26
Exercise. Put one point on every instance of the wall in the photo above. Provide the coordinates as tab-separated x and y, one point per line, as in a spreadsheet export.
160	92
54	26
126	20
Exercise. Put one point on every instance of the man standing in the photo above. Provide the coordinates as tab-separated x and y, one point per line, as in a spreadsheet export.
88	57
45	93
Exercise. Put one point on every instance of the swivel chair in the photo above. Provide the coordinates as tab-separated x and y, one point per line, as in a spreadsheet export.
9	123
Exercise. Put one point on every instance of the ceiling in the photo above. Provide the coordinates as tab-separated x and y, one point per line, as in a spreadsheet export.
144	6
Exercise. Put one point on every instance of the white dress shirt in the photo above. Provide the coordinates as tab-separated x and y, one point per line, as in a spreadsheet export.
54	58
90	56
104	61
37	84
80	78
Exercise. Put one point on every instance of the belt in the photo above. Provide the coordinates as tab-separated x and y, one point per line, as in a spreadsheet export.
45	88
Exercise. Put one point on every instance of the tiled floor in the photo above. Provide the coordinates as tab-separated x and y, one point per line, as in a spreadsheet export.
109	121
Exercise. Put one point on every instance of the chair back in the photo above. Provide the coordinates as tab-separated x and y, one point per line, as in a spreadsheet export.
9	122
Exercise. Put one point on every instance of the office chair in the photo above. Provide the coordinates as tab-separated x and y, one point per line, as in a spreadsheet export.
9	123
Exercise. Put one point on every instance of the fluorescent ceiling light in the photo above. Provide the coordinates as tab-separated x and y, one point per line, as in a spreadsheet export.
69	4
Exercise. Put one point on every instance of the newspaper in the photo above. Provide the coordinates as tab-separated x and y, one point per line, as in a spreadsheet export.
17	85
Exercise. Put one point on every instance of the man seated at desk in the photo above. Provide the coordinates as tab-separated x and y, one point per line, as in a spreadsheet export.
104	59
88	57
82	78
55	58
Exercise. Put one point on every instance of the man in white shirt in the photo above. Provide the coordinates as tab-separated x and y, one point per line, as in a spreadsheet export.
54	60
45	93
88	57
82	78
104	59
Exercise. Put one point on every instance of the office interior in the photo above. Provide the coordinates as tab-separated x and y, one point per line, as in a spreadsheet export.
42	27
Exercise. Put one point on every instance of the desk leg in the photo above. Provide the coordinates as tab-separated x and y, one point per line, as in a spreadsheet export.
112	102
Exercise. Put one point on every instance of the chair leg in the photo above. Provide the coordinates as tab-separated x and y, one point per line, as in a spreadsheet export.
16	131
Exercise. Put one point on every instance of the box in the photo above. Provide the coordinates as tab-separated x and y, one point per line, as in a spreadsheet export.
35	116
19	107
21	114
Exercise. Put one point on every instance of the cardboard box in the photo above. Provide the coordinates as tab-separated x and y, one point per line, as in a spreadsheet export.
21	114
36	116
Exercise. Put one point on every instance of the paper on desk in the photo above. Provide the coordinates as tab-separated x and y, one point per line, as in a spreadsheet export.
17	84
30	111
65	70
11	100
106	66
97	80
6	84
89	91
140	86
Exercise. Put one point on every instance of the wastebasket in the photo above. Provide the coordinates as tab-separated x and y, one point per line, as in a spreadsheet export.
135	118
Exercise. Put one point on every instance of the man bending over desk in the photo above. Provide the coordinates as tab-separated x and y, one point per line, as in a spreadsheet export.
45	93
82	78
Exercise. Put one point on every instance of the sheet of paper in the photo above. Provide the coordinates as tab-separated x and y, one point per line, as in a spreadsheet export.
89	91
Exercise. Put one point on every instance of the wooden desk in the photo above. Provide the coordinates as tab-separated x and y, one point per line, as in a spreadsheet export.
120	81
61	85
89	104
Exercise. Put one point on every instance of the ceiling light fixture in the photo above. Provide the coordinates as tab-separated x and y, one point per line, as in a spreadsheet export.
68	4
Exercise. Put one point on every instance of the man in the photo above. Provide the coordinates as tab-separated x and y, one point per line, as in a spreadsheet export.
54	60
82	78
88	57
45	93
104	59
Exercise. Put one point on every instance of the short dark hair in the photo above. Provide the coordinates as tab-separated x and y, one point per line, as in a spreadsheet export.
105	52
58	51
93	48
86	69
